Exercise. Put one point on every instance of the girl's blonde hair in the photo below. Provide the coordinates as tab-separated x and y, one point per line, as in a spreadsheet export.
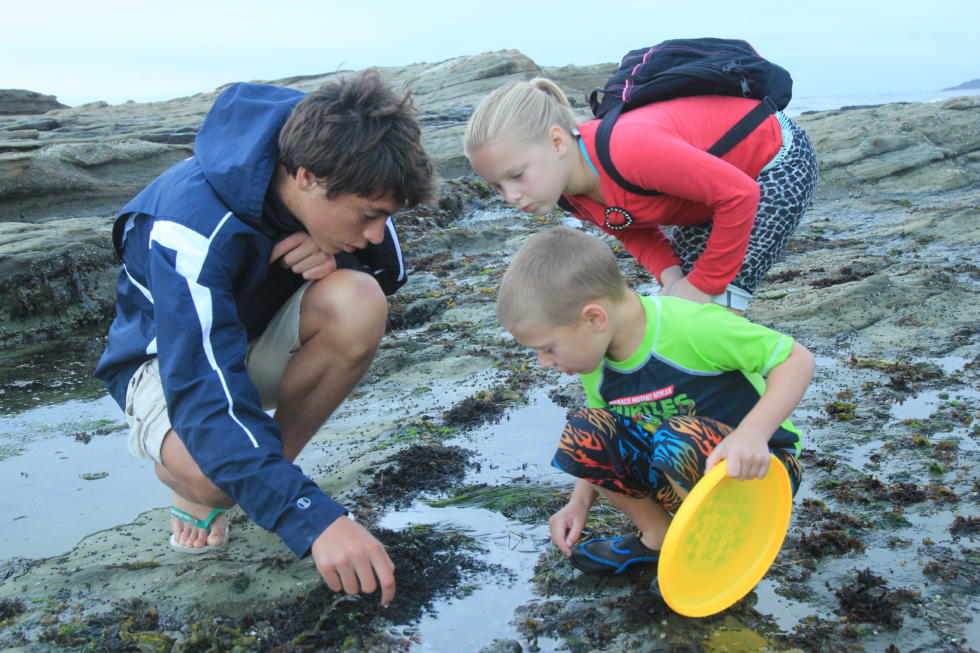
521	110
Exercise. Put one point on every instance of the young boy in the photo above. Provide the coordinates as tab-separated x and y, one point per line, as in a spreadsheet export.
253	276
673	387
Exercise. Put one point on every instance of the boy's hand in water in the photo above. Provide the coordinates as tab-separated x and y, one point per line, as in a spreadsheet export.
350	559
747	455
566	525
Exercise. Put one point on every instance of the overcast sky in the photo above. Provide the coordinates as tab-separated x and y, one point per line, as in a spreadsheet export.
118	50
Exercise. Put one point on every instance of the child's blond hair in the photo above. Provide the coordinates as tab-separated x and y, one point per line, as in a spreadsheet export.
521	110
554	274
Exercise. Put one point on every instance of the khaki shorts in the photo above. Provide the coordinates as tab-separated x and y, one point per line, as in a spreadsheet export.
268	355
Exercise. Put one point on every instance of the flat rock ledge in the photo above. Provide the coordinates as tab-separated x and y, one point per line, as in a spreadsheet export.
65	172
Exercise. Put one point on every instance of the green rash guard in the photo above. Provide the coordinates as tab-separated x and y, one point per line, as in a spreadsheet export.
695	359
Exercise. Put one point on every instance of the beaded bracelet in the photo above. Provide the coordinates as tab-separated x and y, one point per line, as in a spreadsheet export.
627	218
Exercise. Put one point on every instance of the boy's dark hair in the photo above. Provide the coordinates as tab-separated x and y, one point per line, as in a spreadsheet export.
357	136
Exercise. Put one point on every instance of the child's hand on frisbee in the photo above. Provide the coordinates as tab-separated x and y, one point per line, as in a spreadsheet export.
747	455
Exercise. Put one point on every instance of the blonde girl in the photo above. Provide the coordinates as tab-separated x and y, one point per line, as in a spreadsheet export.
729	217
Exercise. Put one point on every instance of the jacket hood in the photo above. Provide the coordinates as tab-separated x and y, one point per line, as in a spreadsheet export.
237	146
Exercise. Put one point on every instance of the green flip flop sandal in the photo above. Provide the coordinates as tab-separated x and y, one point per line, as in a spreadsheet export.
200	523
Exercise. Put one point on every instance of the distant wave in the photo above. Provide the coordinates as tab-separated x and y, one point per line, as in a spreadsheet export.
800	105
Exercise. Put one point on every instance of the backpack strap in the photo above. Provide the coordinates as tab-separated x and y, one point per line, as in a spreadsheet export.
602	137
729	139
743	127
565	204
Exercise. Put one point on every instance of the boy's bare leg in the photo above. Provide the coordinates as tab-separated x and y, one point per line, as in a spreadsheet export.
342	320
340	329
193	493
649	517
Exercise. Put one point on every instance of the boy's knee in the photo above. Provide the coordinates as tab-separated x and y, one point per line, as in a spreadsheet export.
350	305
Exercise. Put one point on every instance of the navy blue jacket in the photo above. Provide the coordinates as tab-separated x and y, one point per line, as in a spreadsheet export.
195	286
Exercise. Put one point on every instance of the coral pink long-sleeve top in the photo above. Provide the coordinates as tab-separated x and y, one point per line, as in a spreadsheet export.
662	146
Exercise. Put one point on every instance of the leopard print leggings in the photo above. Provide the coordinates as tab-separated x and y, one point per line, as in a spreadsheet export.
785	191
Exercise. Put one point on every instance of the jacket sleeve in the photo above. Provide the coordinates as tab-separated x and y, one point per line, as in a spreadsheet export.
214	407
686	172
384	261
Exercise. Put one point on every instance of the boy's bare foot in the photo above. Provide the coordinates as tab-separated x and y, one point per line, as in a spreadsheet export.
189	535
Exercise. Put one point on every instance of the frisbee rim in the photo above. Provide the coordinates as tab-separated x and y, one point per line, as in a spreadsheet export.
671	549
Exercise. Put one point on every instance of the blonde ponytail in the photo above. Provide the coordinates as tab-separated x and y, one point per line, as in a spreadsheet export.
520	110
548	87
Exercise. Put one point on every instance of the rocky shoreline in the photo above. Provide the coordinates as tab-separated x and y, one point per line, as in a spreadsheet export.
881	281
70	169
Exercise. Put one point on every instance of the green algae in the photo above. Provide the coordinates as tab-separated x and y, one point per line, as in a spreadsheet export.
135	566
841	411
9	450
527	503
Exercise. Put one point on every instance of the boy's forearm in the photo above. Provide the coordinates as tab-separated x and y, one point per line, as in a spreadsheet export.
583	493
785	386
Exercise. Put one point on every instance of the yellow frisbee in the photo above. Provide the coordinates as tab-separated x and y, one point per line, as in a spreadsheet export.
723	539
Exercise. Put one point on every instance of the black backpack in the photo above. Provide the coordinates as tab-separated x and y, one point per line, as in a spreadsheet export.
684	67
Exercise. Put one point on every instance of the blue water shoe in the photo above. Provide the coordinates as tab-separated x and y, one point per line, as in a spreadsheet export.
612	556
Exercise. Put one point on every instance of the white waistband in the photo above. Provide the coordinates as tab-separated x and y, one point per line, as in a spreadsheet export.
784	127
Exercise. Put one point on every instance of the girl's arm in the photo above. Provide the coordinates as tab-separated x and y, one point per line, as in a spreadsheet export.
684	289
690	174
669	277
649	245
747	447
674	283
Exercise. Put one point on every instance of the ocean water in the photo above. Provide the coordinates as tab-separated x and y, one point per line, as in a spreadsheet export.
800	105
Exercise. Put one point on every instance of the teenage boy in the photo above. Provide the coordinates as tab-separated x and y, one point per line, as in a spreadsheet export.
254	275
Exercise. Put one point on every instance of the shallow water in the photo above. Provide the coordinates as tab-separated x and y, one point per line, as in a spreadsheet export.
48	506
466	624
519	447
